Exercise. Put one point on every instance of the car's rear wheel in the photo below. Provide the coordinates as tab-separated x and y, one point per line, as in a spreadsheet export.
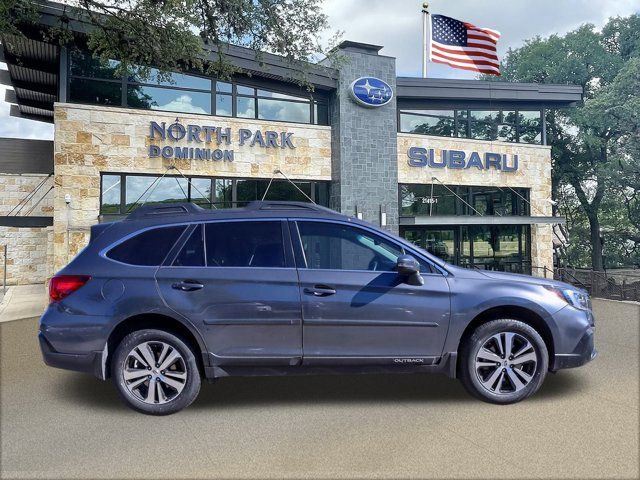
503	361
155	372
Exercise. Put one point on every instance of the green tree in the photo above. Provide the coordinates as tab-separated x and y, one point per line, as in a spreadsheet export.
174	35
592	145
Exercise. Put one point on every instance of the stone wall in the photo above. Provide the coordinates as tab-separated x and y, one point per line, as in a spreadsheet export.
28	254
15	188
27	248
534	173
93	139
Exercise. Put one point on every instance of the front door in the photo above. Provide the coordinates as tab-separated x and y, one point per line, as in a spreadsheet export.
236	282
356	308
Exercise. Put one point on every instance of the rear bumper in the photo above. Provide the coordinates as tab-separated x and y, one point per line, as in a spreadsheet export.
584	352
89	363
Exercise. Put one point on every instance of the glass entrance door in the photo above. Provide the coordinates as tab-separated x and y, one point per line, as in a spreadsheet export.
441	242
488	247
500	247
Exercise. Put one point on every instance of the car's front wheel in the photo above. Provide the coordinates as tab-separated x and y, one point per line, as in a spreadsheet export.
155	372
503	361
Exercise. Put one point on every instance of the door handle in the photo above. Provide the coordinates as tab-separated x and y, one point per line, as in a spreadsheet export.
187	285
320	290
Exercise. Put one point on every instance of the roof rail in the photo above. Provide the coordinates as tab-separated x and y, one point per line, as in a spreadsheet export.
283	205
179	208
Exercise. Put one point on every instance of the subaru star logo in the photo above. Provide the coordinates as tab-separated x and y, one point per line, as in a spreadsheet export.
371	92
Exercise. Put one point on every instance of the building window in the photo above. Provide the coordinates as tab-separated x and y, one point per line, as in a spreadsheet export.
487	247
177	80
440	123
92	82
200	191
504	125
122	193
223	193
168	99
95	92
248	190
529	127
437	200
224	99
110	199
85	65
142	189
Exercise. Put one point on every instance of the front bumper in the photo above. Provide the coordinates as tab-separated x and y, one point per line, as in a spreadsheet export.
89	363
584	352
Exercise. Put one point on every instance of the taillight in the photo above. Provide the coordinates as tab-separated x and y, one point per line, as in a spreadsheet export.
62	286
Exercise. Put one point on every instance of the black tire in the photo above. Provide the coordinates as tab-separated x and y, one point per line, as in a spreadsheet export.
472	378
187	364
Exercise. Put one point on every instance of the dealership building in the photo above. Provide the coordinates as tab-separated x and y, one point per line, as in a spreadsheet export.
460	167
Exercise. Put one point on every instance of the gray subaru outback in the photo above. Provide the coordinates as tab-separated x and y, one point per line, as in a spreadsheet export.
175	293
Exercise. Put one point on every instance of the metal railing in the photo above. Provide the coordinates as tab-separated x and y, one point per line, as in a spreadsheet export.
601	284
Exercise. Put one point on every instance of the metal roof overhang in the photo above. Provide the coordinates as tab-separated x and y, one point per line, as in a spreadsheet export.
274	67
447	93
480	220
33	73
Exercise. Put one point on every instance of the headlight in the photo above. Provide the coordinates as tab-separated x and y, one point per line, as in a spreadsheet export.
575	298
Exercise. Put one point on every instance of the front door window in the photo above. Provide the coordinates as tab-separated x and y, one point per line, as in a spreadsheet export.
332	246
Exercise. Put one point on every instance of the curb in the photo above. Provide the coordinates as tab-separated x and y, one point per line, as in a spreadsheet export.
20	305
628	302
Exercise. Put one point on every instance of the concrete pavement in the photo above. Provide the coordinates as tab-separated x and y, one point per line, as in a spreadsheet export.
583	423
23	301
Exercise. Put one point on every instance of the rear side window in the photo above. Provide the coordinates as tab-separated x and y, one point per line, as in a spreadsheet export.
244	244
192	254
148	248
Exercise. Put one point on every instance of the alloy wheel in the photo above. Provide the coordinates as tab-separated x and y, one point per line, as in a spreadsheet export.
154	372
506	363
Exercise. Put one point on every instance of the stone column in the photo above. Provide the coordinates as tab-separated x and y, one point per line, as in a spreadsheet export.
364	140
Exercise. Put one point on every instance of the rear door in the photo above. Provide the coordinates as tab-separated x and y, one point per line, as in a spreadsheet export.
236	281
356	308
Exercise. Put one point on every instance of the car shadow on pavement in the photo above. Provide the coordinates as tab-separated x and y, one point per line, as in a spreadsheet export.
237	392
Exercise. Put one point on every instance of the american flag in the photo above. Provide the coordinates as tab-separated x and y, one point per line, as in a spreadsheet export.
463	45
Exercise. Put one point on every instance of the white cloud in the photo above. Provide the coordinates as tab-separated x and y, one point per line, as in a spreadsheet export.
183	103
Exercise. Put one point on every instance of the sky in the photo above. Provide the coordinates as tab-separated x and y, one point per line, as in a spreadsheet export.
397	25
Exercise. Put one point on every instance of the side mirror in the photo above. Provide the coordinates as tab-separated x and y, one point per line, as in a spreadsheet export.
407	266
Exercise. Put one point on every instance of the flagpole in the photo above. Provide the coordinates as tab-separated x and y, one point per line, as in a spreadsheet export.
425	37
